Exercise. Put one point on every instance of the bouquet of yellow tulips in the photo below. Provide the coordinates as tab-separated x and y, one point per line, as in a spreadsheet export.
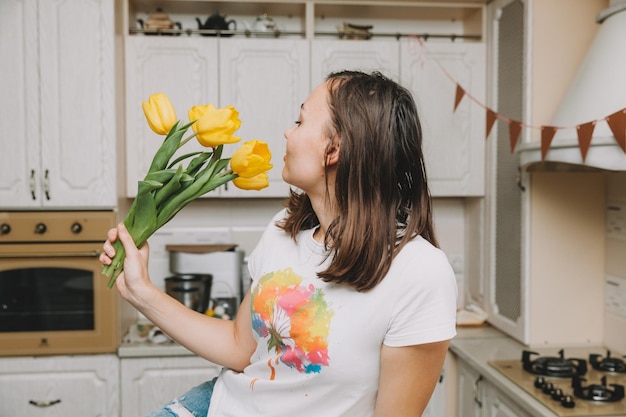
169	185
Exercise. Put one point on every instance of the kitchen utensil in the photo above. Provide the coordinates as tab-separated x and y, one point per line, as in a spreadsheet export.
352	31
192	290
157	21
217	22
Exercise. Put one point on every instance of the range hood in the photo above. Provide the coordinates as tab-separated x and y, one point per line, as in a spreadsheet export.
597	91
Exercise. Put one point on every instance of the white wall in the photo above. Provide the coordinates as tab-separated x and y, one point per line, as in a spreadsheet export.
615	269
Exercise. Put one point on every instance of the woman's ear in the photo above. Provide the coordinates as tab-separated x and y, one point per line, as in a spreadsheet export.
332	152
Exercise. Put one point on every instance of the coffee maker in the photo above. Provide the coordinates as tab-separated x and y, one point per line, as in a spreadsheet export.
222	263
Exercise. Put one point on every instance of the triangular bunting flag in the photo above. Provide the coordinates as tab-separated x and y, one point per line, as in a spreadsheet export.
459	96
491	119
617	123
547	134
584	132
514	130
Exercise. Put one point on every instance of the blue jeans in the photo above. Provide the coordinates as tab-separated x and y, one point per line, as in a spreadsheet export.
194	402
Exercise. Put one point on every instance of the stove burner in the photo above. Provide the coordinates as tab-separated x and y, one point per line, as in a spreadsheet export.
607	364
553	366
597	392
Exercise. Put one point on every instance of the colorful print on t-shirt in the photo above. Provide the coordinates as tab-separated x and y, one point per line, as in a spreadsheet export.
294	319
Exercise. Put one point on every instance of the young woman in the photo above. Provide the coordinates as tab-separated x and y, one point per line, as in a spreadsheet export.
352	304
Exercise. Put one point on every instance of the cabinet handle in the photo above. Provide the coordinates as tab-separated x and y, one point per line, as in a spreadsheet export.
32	184
46	185
44	404
476	399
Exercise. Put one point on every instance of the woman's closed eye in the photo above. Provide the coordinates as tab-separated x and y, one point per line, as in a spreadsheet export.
297	122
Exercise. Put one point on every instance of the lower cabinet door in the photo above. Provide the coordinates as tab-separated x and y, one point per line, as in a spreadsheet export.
497	404
85	386
149	383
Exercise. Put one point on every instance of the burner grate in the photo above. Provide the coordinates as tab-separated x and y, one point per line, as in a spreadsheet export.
607	363
597	392
559	367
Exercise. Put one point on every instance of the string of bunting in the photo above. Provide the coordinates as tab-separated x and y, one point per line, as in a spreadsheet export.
584	131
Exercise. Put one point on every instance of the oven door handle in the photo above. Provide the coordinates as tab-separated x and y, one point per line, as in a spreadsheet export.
90	254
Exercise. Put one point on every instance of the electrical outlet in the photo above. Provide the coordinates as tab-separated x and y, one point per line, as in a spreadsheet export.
616	220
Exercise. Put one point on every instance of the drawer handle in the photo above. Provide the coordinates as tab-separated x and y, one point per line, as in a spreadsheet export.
477	400
44	404
32	184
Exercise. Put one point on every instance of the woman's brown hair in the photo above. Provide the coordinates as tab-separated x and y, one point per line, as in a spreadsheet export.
382	197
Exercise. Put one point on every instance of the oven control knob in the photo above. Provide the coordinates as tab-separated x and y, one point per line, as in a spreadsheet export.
5	229
76	228
548	388
558	395
568	402
40	228
540	382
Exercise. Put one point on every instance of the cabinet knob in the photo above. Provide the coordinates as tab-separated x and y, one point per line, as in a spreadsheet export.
76	228
40	228
5	229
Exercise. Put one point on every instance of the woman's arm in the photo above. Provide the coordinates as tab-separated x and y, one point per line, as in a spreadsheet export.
223	342
408	376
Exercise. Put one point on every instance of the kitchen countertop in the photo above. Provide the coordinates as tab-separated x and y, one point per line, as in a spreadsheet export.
148	349
478	345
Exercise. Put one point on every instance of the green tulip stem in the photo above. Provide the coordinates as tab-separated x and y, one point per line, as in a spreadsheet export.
166	190
187	139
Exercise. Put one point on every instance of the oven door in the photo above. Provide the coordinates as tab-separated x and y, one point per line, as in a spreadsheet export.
54	300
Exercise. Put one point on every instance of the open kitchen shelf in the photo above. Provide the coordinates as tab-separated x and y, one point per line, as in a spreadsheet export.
321	18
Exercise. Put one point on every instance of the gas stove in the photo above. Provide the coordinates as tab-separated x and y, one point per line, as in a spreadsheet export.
571	386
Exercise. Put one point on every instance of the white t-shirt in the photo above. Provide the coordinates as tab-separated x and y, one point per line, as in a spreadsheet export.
318	351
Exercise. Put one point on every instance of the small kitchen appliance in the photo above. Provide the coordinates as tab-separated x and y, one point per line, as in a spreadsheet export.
192	290
592	385
221	261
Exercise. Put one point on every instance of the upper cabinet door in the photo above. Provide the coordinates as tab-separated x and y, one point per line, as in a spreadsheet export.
454	141
57	104
19	104
77	102
266	80
363	55
185	69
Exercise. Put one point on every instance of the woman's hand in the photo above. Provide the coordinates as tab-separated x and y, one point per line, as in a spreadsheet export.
134	282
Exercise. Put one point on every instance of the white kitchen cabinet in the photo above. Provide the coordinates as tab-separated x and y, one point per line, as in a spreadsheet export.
149	383
57	104
266	80
364	55
497	404
185	69
470	385
59	386
477	397
454	141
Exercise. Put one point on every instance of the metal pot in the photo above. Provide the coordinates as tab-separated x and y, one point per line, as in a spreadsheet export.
192	290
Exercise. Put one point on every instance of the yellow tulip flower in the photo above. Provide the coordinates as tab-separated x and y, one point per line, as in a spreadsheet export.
258	182
160	113
214	127
251	159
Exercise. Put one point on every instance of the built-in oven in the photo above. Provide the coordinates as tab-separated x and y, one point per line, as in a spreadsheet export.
53	297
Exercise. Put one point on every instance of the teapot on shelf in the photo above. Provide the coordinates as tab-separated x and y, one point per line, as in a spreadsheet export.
157	22
217	22
264	25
